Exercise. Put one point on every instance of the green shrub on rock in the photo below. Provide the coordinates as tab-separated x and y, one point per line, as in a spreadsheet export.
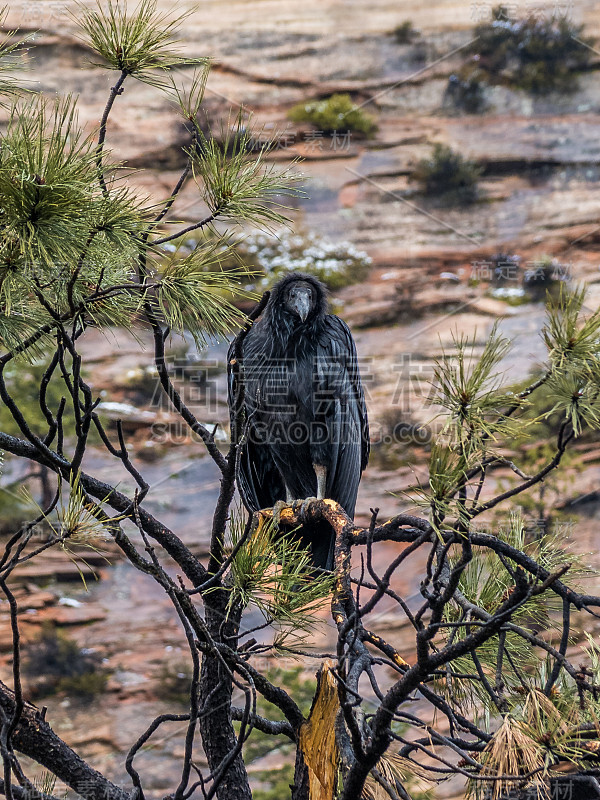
54	663
336	113
538	55
448	175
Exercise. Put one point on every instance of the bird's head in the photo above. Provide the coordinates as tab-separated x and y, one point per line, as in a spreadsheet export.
300	296
299	299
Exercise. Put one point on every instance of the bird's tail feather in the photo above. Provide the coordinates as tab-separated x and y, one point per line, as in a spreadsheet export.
320	538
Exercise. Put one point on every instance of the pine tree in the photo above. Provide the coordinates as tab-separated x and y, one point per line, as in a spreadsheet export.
501	703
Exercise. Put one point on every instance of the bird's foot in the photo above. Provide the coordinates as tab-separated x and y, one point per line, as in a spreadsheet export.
277	509
305	506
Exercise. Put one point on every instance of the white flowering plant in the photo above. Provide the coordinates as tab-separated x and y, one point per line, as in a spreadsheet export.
269	256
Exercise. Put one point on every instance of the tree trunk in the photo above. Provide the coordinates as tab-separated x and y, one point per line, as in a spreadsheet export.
216	728
318	761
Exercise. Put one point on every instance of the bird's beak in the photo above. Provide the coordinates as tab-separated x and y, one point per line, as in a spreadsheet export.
301	304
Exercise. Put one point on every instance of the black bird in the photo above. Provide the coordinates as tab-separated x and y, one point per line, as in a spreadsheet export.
306	428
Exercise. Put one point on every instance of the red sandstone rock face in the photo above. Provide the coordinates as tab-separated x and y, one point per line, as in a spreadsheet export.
271	55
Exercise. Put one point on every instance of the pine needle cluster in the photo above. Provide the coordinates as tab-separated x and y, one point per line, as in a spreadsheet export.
141	42
77	244
272	571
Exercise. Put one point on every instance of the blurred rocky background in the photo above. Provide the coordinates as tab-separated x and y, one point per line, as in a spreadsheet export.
451	181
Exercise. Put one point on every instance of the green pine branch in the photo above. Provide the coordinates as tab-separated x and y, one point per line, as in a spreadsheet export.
142	43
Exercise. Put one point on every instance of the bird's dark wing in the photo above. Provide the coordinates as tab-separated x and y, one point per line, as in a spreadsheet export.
344	412
259	481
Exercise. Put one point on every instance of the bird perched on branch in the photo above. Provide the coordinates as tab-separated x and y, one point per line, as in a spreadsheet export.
304	427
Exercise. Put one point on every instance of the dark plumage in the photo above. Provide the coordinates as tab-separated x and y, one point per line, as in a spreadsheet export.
307	431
